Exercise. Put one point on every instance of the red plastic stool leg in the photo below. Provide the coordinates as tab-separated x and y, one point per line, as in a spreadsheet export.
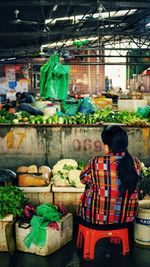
79	239
83	239
125	242
92	244
86	247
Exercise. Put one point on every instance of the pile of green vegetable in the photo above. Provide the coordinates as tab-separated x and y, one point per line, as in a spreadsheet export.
6	117
12	201
98	117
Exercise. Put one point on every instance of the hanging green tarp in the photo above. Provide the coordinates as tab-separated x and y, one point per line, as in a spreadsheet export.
54	79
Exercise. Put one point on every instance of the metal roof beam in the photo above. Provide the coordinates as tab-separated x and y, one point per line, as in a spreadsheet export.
77	49
107	4
66	34
108	63
127	4
43	3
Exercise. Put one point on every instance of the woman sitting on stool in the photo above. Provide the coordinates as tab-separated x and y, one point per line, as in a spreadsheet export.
110	198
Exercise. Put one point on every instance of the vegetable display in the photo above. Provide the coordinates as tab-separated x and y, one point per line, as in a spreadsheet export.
144	184
12	201
66	172
98	117
33	176
6	117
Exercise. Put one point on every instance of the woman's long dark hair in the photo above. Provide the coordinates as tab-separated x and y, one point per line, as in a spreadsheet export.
117	140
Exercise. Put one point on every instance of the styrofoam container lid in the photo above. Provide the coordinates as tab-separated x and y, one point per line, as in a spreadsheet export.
67	189
36	189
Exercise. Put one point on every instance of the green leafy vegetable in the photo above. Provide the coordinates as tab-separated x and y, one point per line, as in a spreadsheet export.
68	167
12	200
144	184
81	165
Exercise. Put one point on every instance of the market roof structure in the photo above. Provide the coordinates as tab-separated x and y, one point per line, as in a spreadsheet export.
28	27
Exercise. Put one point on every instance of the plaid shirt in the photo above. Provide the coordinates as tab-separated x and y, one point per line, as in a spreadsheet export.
101	203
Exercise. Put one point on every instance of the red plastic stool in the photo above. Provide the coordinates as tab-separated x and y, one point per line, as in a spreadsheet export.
91	236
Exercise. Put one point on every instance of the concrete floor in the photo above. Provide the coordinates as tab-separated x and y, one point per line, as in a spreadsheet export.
106	254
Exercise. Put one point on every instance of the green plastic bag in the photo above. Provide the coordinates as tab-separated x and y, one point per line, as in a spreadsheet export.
80	43
70	109
144	111
43	77
45	214
49	212
87	106
54	79
37	236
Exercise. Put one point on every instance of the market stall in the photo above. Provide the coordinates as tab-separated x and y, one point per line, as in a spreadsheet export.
40	144
69	130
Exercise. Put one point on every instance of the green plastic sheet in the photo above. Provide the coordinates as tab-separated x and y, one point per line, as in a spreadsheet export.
54	79
45	214
71	108
144	111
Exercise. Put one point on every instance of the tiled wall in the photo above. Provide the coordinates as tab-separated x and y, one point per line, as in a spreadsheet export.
88	79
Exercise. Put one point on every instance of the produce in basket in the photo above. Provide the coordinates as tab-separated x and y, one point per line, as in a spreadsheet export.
33	176
32	168
74	178
61	180
66	172
64	165
46	170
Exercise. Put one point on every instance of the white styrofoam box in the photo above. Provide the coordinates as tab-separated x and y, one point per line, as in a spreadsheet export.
55	239
68	196
41	104
5	222
147	97
131	105
67	189
49	111
7	218
38	194
31	189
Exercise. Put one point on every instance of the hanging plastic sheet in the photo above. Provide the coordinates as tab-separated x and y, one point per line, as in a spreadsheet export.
54	79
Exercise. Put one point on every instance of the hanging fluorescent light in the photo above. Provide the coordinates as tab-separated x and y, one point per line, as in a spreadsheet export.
55	8
11	58
147	25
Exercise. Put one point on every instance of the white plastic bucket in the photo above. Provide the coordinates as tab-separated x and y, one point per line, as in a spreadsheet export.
142	224
49	111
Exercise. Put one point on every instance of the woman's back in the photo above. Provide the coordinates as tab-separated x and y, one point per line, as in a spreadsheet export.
102	201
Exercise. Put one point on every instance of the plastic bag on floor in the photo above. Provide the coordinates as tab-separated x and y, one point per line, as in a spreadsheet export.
49	212
37	236
45	214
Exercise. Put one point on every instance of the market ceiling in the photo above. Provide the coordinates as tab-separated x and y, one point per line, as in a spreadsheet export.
27	25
